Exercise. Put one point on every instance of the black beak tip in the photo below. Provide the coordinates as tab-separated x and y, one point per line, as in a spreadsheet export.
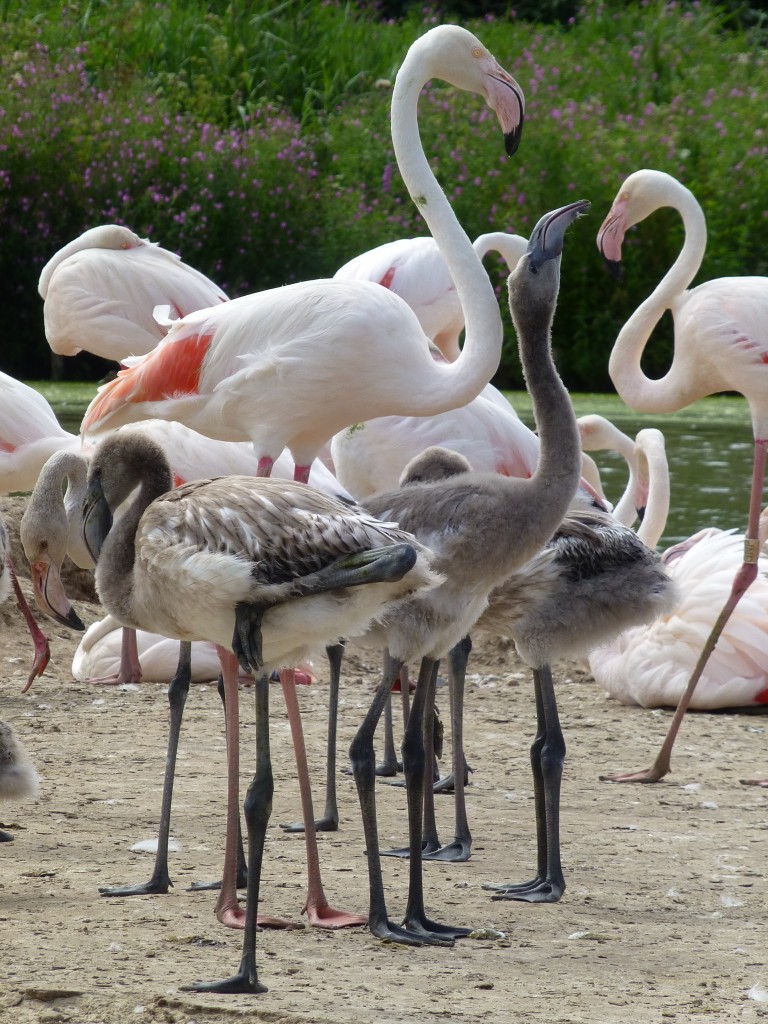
73	620
512	140
615	269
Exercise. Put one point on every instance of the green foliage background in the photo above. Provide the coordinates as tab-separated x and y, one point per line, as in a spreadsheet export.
253	139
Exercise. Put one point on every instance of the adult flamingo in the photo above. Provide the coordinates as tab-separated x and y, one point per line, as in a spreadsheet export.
29	435
721	344
265	569
100	291
415	269
292	366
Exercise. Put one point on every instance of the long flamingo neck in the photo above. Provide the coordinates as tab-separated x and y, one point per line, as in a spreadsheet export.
462	380
637	390
119	550
559	467
656	472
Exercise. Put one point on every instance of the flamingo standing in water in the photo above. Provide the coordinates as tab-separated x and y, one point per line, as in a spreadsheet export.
721	344
292	366
101	289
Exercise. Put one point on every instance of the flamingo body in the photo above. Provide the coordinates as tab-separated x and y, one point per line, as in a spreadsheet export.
290	367
100	291
415	269
651	665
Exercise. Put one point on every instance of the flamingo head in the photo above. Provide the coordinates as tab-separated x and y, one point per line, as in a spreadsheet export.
458	57
643	192
45	544
547	238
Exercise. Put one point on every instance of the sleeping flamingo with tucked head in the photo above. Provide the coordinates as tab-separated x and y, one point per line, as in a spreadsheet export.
292	366
100	291
721	344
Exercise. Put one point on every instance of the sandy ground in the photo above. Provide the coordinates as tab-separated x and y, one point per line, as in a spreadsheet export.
663	919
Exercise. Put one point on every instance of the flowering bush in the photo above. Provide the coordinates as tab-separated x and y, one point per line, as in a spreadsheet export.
248	143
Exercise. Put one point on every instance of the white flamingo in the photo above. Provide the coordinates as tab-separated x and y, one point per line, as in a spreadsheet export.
100	291
721	344
415	269
292	366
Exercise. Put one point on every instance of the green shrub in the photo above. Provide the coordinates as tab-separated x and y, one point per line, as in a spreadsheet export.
254	140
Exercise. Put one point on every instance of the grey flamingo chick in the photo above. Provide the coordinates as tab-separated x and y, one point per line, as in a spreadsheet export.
593	578
267	570
482	526
18	778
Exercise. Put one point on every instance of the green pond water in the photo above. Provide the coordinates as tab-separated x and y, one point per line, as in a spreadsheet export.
709	447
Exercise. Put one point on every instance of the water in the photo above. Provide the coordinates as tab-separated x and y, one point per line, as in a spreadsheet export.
710	452
709	447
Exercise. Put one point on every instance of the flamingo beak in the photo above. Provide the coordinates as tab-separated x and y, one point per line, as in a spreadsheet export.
547	238
97	519
506	97
50	596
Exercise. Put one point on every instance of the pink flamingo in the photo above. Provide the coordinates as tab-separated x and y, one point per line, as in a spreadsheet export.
100	291
292	366
650	665
721	344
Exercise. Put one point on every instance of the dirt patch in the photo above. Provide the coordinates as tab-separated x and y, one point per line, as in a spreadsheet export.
663	919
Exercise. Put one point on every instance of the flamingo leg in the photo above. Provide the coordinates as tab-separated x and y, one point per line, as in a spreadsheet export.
160	881
744	578
241	879
257	809
414	767
460	849
39	639
457	660
330	819
130	666
389	766
547	759
363	759
319	913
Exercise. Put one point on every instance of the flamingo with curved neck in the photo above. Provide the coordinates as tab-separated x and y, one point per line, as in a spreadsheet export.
721	344
292	366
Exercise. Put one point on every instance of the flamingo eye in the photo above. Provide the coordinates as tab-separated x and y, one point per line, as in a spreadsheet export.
477	52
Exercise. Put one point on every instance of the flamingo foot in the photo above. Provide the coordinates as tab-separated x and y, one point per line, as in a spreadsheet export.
387	768
242	982
388	932
653	774
5	837
322	915
543	891
456	852
325	824
404	851
754	782
158	885
420	925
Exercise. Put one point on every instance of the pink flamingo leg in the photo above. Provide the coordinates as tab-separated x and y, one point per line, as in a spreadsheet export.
228	910
319	913
130	666
744	577
264	467
301	473
40	640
